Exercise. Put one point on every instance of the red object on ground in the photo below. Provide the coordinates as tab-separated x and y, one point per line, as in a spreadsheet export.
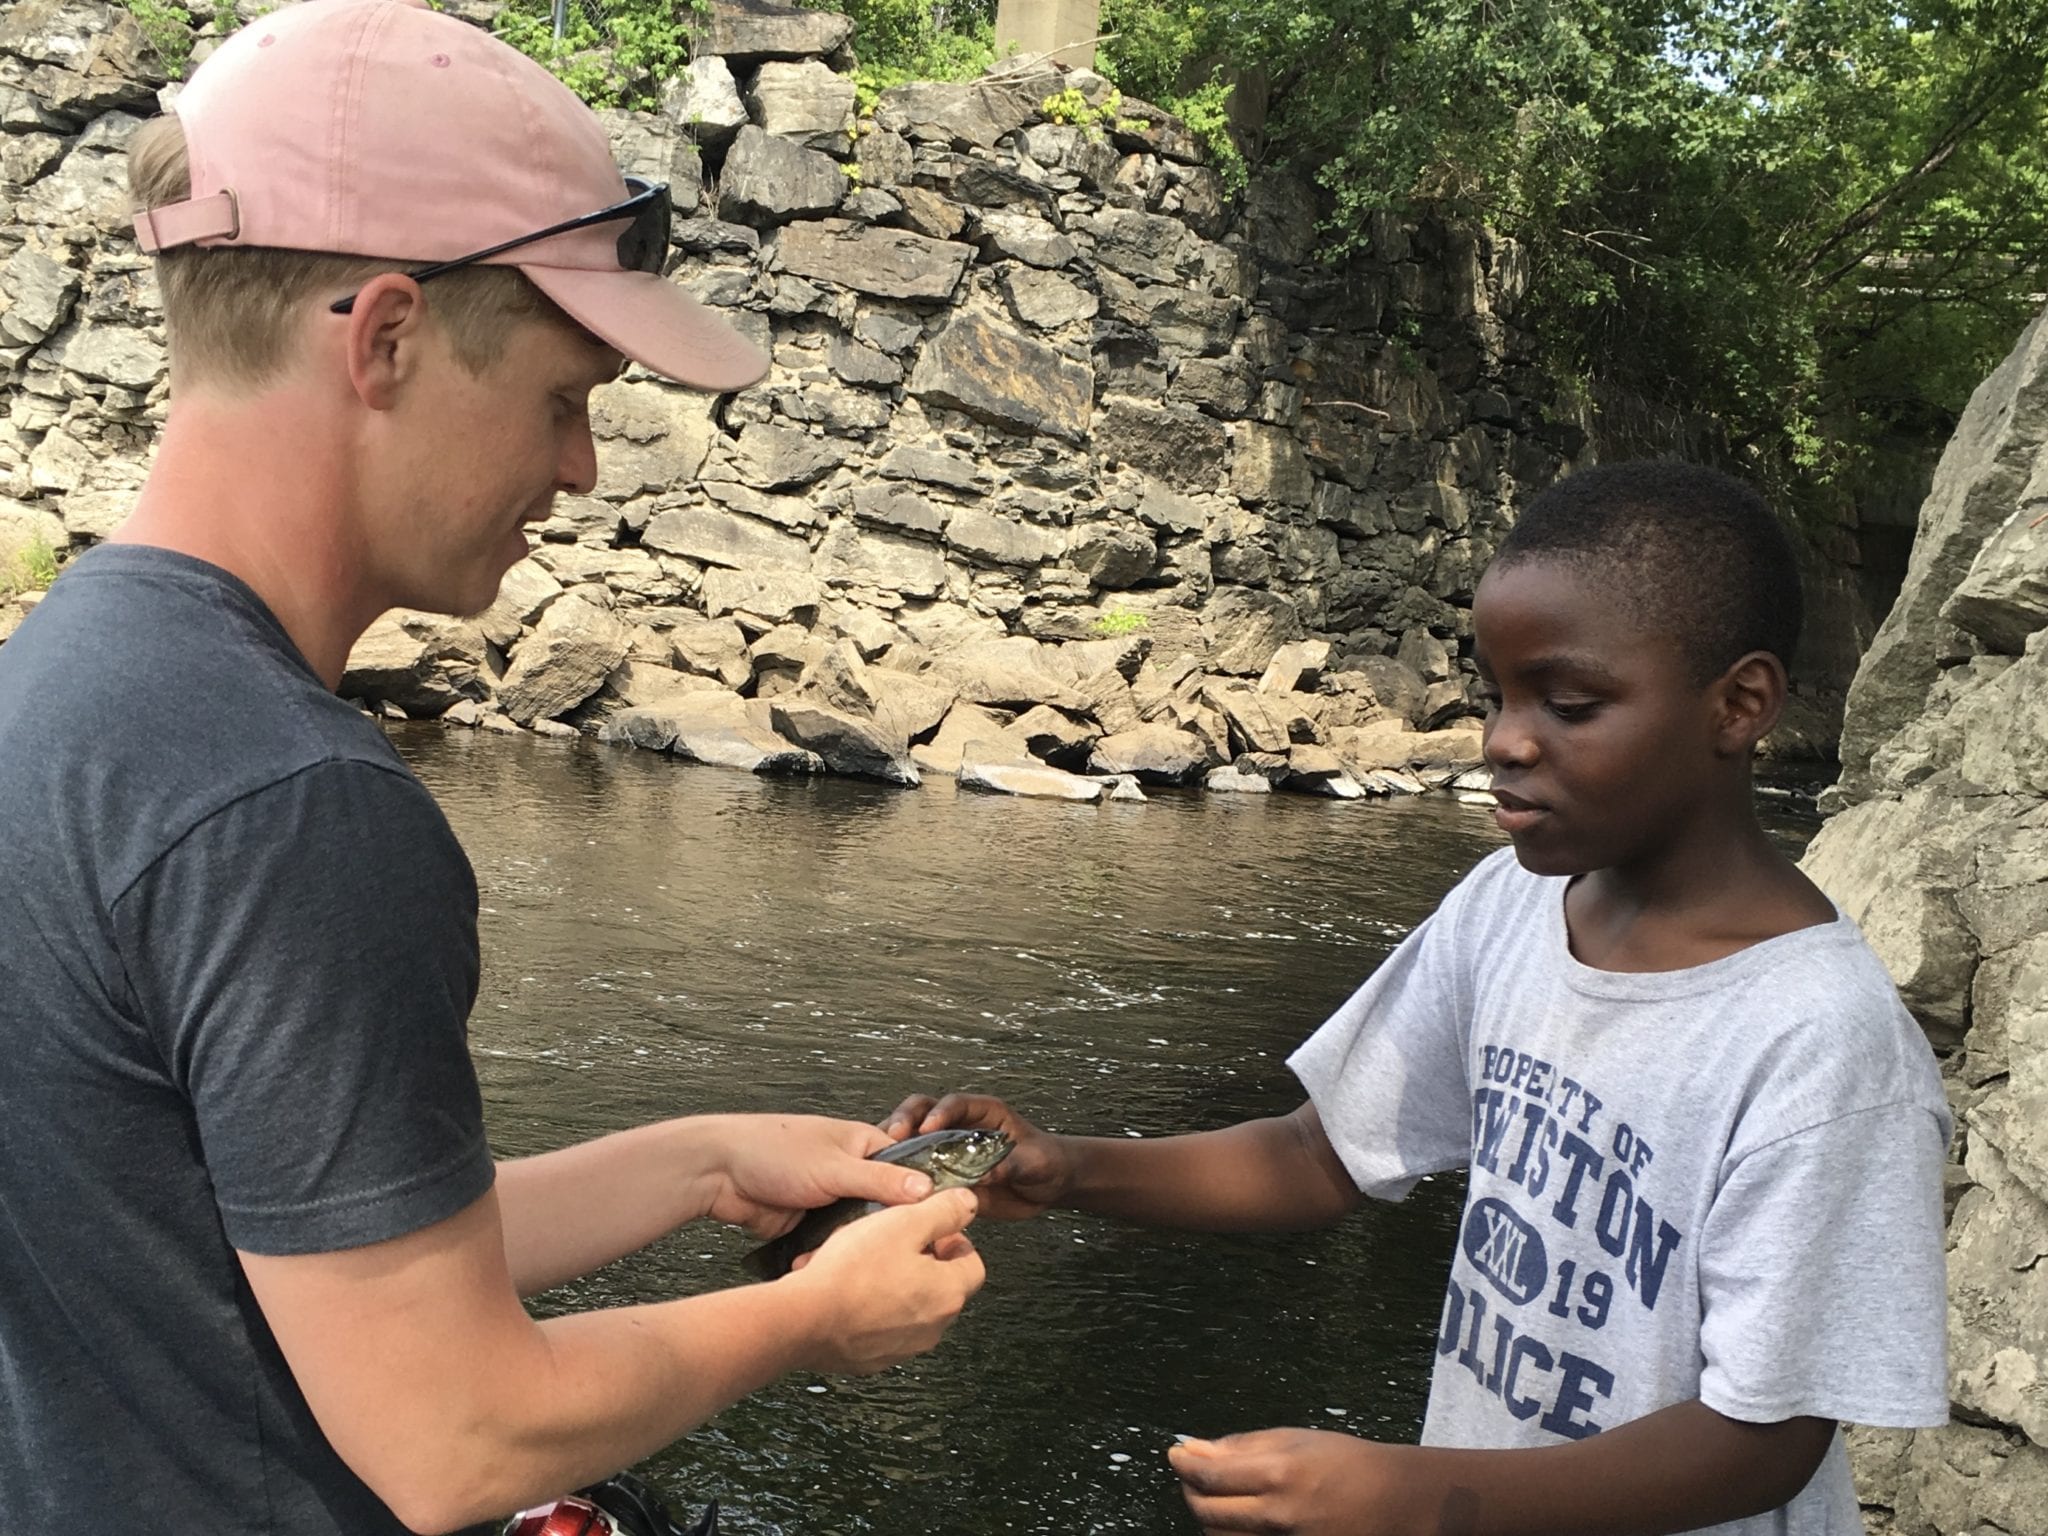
565	1517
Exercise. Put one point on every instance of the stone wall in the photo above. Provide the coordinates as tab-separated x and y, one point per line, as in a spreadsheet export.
1035	385
1938	845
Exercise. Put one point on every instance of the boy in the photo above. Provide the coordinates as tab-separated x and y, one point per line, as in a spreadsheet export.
261	1272
1703	1136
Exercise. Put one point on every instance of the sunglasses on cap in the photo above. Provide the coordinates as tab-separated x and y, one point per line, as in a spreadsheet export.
643	244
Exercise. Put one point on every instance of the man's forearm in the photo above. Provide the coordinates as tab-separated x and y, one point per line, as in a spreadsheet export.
1262	1175
571	1211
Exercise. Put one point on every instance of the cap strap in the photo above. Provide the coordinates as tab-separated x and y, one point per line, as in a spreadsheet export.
198	218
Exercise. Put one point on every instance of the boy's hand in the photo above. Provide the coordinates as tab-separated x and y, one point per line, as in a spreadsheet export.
1292	1482
889	1285
1035	1175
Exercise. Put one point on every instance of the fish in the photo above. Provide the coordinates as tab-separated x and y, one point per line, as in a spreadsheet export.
953	1158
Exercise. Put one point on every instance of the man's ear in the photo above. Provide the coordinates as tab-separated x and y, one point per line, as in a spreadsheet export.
386	331
1748	698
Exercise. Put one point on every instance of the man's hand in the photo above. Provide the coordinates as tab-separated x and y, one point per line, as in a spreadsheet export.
1035	1175
1291	1482
772	1168
891	1283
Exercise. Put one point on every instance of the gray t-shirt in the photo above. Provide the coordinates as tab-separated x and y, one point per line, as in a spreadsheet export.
1720	1183
237	953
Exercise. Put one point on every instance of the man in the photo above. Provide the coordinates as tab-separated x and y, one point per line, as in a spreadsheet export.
259	1271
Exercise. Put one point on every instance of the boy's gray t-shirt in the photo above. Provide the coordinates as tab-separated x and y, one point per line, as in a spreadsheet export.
1721	1183
237	955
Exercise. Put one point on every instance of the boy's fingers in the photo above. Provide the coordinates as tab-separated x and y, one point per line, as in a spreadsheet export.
904	1118
1232	1514
963	1110
1217	1469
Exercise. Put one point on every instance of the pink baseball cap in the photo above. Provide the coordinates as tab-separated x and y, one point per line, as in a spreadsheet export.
381	128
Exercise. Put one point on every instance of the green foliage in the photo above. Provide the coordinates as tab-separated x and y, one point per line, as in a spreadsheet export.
1115	623
641	44
31	569
1816	222
168	26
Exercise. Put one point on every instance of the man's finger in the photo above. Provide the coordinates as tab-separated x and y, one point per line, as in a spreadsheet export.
885	1183
947	1212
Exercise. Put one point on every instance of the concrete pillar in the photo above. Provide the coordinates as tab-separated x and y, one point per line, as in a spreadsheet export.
1063	30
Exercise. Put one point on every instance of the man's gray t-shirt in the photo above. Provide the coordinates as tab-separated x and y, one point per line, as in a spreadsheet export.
237	955
1722	1183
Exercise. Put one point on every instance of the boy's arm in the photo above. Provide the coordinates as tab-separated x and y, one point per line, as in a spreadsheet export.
1678	1469
1278	1174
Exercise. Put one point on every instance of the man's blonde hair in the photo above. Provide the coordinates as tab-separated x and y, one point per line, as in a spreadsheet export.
230	311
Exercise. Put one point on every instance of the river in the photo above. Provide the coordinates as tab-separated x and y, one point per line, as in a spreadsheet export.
663	939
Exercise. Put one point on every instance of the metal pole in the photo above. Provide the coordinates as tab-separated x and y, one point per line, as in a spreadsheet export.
561	18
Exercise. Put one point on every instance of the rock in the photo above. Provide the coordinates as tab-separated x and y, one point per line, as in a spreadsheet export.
717	537
523	595
36	296
2004	597
423	663
857	363
1110	701
967	727
933	468
769	180
770	458
1392	744
890	263
1254	725
1051	736
839	678
1316	770
1269	466
1978	484
1245	628
1047	300
998	540
1231	780
928	213
717	728
859	557
910	707
760	599
978	113
115	355
1113	558
564	661
1021	237
890	506
704	100
715	648
747	30
1154	754
1180	446
805	101
844	742
1033	781
997	375
1295	667
1011	672
656	149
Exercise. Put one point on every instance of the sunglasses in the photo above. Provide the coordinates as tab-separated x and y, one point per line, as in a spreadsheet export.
643	244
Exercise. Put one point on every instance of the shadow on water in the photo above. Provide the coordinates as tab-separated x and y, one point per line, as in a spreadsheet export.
661	939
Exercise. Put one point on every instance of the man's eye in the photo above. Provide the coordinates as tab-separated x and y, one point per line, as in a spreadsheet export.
1572	709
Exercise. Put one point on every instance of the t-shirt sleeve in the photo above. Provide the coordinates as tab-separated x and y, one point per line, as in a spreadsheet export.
1386	1071
1822	1279
307	958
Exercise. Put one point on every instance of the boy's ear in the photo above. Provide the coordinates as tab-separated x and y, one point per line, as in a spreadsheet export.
1749	698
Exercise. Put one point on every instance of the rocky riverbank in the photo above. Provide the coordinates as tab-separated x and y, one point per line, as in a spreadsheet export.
1938	845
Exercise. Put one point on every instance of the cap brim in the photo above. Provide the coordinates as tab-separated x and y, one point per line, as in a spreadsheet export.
656	324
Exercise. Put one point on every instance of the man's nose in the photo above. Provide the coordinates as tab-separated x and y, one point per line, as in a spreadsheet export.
576	471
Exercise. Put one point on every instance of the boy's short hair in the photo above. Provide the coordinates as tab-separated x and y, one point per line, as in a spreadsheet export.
230	312
1690	551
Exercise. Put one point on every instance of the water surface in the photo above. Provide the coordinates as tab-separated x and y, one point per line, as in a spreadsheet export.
664	939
